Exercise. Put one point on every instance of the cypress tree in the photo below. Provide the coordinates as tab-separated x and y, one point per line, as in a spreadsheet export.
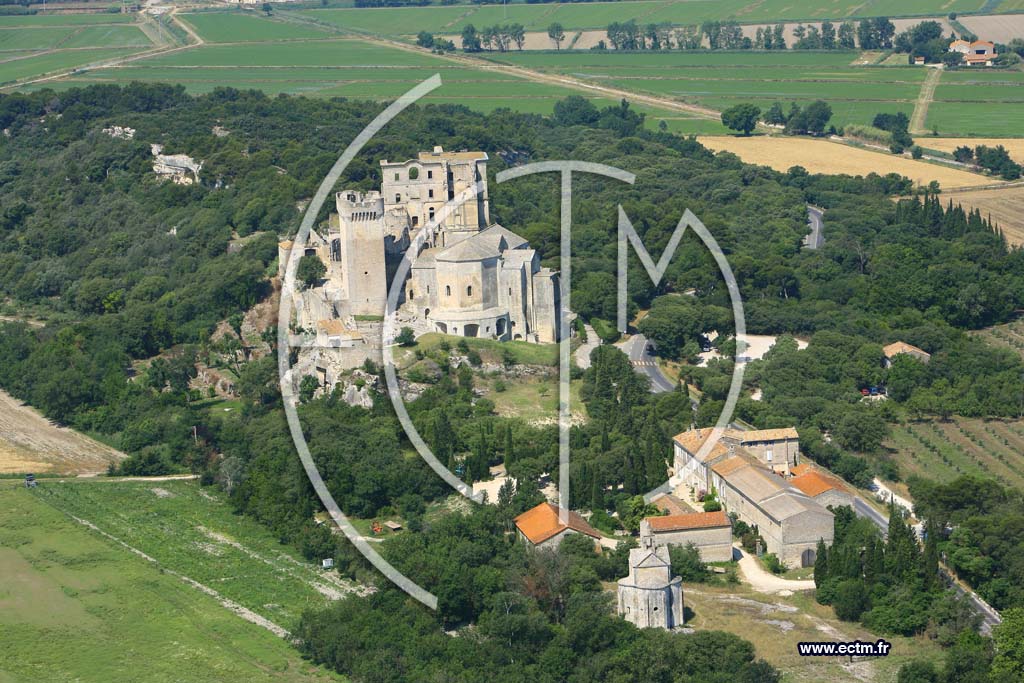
820	563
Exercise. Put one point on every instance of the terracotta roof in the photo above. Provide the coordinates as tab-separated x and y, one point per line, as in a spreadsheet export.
802	468
334	327
958	42
454	156
541	523
979	43
816	482
766	434
978	58
693	520
693	439
730	465
666	502
899	347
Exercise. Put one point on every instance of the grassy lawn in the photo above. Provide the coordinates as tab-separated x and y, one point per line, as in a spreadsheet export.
775	624
492	351
194	531
535	400
76	607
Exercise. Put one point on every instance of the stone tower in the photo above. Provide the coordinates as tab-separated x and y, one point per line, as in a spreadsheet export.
650	597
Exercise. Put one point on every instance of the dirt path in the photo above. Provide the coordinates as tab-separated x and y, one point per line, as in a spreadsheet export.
166	49
924	100
766	582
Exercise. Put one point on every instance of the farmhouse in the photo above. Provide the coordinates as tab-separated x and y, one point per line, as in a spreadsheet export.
710	532
541	527
790	521
977	53
650	597
896	348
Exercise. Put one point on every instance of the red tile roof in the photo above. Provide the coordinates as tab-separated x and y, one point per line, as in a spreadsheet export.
541	523
815	482
694	520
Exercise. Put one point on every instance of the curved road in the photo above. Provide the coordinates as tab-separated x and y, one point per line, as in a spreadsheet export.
814	219
638	350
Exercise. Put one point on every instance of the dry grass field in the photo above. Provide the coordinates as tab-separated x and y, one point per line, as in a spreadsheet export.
1015	146
31	443
823	156
1005	207
1000	28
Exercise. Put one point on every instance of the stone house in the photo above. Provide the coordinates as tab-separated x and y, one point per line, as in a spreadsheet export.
709	532
541	527
896	348
650	597
790	521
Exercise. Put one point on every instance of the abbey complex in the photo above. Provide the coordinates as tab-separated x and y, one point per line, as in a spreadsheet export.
468	277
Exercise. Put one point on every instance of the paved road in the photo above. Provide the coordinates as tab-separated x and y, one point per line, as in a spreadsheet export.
814	219
638	350
584	350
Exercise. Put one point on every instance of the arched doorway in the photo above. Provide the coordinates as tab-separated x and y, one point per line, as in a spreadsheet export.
808	557
471	330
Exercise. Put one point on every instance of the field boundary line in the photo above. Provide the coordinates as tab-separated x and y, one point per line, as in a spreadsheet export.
230	605
924	100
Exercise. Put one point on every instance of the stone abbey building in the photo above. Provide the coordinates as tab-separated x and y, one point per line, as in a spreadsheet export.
470	277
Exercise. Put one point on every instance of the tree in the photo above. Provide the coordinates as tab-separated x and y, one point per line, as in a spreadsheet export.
742	117
307	388
775	116
268	9
851	599
816	116
470	39
1008	638
557	34
575	110
406	337
425	39
918	672
311	270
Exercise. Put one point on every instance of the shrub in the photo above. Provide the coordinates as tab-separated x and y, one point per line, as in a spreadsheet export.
773	563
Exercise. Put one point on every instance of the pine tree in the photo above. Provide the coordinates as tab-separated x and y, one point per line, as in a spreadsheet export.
820	563
930	557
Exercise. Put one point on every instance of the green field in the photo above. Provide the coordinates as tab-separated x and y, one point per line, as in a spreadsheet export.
720	80
945	450
64	20
408	21
39	65
193	531
237	27
74	606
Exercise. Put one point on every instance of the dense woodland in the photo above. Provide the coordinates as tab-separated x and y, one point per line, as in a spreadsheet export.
127	267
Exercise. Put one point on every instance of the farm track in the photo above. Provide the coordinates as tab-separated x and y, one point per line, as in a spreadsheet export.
117	61
924	100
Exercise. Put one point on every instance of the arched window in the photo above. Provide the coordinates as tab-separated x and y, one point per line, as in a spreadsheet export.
447	290
398	198
469	290
431	217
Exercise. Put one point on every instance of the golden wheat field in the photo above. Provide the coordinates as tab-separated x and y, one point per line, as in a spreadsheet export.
823	156
31	443
1005	206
